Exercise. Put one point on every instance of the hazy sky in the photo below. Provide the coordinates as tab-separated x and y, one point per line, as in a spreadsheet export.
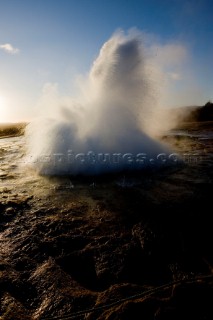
53	41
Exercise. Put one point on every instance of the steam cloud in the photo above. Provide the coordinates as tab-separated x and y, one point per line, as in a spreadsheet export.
108	128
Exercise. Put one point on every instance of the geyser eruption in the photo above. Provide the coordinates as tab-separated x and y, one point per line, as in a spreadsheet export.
106	129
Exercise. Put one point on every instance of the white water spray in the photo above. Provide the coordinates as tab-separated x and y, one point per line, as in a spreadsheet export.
107	129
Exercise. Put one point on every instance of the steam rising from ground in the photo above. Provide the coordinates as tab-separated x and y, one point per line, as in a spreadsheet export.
110	126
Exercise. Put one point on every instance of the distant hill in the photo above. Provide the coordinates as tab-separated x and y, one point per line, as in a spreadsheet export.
203	113
12	129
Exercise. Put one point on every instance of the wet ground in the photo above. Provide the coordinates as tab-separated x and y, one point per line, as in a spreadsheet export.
71	244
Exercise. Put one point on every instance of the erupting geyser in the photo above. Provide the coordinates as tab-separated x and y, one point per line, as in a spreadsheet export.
107	128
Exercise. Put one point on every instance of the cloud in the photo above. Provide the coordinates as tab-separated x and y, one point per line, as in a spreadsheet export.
7	47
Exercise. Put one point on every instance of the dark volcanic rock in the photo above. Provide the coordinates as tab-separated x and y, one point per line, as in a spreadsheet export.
63	251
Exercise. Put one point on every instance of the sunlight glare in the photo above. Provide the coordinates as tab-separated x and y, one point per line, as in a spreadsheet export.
3	109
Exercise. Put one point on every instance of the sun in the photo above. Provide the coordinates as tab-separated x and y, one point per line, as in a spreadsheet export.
1	100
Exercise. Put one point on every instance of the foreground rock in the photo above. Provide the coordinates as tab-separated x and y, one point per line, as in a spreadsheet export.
104	250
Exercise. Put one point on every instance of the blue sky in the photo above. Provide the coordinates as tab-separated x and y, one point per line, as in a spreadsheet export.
52	41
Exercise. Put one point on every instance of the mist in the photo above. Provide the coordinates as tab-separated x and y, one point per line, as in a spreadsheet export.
114	121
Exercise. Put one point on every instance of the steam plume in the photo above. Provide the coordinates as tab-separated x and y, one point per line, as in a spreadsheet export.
112	115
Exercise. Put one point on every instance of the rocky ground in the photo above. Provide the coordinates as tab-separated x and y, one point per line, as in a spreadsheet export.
12	129
131	246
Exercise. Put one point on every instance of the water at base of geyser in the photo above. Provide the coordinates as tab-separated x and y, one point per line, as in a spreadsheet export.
108	128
